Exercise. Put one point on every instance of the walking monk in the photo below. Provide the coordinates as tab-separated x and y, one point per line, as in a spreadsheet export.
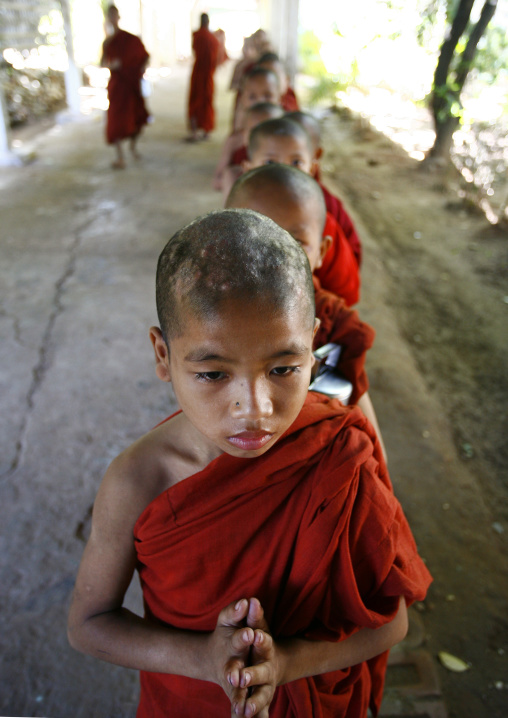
206	52
125	56
275	561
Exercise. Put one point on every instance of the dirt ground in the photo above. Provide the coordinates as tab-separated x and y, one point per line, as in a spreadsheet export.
437	269
79	245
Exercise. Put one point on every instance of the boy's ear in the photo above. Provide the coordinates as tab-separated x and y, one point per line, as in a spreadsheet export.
314	168
246	165
161	354
325	245
318	153
317	324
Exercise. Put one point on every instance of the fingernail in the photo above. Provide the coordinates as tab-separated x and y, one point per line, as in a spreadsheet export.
246	679
230	681
239	605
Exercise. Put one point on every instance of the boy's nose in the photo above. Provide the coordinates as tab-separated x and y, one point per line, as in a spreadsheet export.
253	400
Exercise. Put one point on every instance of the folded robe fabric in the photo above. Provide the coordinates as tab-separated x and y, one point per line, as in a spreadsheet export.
339	272
312	528
336	209
201	112
343	326
127	112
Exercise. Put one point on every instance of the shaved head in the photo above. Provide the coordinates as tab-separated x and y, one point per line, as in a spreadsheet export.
269	109
309	123
228	255
286	183
259	72
278	127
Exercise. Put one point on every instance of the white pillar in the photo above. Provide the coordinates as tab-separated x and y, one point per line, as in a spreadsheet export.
7	158
72	74
283	31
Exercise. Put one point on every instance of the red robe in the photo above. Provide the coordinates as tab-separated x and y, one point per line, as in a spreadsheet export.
206	51
288	101
343	326
336	208
127	112
239	156
312	528
339	271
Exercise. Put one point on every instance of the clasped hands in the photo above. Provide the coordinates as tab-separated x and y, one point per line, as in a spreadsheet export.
247	664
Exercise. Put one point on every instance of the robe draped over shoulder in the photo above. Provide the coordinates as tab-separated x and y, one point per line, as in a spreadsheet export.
127	112
338	272
312	528
343	326
335	207
206	51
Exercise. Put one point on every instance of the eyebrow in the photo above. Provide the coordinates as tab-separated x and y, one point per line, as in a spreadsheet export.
203	354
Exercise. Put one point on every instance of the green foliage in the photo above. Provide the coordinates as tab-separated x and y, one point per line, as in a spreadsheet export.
326	90
310	57
492	54
326	86
51	28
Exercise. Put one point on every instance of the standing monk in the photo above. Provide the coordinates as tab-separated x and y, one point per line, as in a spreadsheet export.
206	50
125	56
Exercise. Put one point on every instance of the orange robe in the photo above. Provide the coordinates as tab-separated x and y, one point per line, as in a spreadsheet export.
312	528
336	208
127	112
206	51
339	271
343	326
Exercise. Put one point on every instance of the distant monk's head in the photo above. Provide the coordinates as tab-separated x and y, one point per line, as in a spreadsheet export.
259	85
292	199
113	15
281	140
205	20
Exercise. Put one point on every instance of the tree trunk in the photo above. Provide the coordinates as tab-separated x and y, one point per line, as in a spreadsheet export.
445	94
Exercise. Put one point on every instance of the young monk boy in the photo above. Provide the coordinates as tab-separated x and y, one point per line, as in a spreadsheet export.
233	155
333	204
258	85
271	61
286	142
295	202
274	558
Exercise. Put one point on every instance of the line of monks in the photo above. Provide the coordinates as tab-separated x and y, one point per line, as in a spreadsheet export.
275	560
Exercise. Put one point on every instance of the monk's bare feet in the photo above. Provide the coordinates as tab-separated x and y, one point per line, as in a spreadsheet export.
118	165
191	138
134	150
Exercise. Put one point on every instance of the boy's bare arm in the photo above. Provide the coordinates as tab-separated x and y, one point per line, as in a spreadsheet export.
277	662
231	144
365	404
100	626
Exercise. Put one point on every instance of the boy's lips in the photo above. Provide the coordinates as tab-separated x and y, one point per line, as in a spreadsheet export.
250	440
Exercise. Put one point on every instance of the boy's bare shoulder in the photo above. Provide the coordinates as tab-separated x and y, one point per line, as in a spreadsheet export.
144	470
